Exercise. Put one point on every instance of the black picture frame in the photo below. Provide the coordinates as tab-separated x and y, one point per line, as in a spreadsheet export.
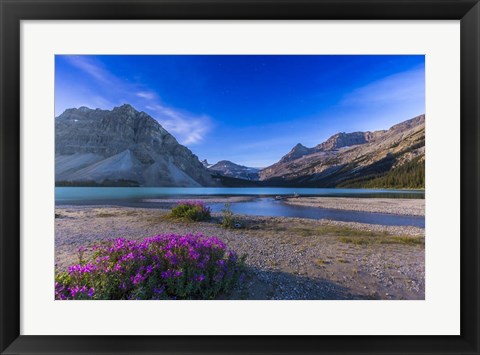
14	11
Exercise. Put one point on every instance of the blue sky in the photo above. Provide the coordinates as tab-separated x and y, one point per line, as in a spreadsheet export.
249	109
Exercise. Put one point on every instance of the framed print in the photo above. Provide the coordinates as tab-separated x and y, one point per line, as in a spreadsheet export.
239	177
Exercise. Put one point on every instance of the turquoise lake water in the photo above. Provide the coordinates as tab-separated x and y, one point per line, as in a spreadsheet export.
263	203
118	193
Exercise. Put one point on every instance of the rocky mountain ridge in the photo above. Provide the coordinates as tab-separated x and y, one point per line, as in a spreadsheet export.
122	146
349	159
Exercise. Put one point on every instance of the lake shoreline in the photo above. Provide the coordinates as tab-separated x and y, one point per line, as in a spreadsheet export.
288	258
382	211
404	207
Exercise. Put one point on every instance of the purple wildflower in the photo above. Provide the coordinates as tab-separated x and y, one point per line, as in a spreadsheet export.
166	274
159	290
200	278
137	279
82	269
122	268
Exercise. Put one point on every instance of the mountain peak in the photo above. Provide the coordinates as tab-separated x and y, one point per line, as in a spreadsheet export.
226	164
85	137
299	146
415	121
125	107
230	169
342	139
206	163
298	151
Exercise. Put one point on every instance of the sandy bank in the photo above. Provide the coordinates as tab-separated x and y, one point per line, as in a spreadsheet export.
410	207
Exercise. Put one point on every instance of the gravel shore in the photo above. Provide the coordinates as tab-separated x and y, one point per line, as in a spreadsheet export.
410	207
287	258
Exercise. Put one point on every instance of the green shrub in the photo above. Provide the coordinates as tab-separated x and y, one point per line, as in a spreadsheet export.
191	211
228	216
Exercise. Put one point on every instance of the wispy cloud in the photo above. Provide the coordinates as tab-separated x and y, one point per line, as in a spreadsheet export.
186	127
397	88
90	67
149	95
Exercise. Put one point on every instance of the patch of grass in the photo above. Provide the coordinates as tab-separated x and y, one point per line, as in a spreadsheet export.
356	241
388	239
365	237
153	220
291	234
342	260
301	249
129	213
321	262
349	232
274	228
104	215
292	228
408	240
304	232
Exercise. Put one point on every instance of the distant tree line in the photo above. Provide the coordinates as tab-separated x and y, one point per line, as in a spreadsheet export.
104	183
410	175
